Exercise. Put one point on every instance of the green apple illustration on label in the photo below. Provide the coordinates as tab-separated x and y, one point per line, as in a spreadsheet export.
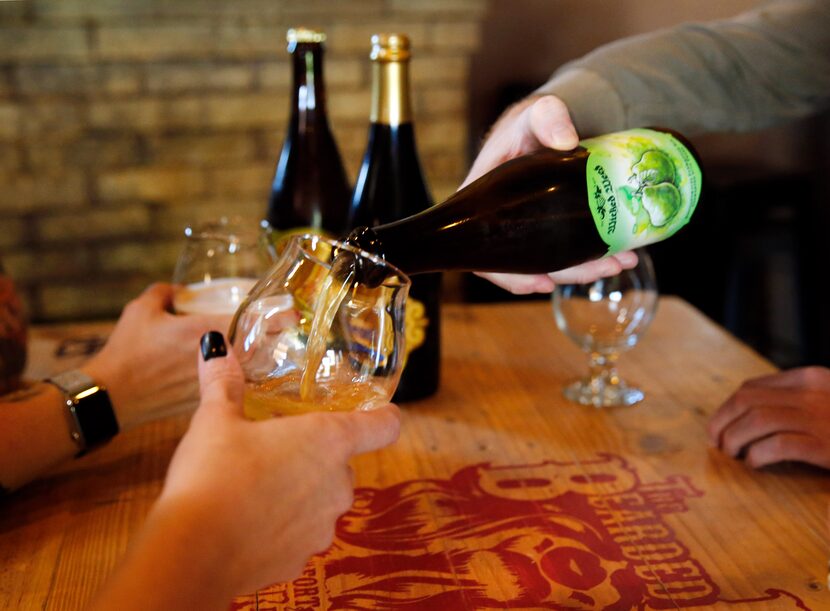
643	186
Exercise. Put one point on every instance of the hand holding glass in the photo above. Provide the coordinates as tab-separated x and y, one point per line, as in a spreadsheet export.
604	318
356	363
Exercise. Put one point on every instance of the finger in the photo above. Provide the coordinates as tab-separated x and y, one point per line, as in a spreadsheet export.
787	446
158	296
221	383
780	379
749	397
732	409
366	431
763	421
202	323
627	259
520	284
813	377
588	272
550	122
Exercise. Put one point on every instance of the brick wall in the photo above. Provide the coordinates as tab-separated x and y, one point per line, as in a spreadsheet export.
123	120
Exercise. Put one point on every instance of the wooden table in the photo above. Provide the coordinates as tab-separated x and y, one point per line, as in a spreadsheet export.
499	494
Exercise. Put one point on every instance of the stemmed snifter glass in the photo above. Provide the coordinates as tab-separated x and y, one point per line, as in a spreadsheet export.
605	318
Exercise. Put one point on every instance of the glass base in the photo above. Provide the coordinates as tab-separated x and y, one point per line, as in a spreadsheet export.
600	393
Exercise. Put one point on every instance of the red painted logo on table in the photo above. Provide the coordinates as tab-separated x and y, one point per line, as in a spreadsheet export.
586	535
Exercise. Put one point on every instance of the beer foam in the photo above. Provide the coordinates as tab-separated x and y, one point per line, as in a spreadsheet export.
215	296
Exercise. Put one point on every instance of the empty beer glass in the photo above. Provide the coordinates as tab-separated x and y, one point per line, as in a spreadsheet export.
605	318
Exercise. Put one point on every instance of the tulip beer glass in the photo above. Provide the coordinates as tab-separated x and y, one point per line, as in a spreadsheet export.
311	337
220	262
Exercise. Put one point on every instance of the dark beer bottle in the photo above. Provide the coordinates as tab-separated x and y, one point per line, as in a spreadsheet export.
552	209
391	186
310	191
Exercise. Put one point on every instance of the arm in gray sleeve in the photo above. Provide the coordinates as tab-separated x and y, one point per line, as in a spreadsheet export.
761	68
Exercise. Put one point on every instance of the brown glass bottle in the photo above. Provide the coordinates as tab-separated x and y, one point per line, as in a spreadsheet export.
310	191
550	210
391	186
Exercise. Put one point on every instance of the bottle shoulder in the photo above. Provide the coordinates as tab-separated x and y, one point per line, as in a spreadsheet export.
680	138
391	182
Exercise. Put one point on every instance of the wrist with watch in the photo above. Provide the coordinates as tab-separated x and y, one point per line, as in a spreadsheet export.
89	412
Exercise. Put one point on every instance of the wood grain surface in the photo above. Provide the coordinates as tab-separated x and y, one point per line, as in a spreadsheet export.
499	495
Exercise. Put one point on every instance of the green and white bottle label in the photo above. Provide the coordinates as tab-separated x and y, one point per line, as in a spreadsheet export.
643	185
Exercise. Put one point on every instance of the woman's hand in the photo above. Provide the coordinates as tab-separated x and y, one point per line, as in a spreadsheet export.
273	485
147	363
245	504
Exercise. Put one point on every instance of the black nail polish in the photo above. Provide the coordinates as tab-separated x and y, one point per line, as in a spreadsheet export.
213	345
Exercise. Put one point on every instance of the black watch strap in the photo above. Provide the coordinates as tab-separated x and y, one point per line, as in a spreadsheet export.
89	411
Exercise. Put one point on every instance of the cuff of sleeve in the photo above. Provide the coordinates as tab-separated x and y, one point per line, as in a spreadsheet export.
595	106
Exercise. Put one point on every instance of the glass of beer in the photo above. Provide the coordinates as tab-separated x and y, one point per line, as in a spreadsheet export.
314	335
606	318
220	262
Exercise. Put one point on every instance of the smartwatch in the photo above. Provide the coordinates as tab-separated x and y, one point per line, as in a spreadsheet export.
89	411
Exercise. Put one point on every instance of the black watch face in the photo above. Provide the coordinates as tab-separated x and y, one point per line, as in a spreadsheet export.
96	418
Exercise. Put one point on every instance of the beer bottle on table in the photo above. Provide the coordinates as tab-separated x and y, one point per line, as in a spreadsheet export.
391	186
310	192
552	209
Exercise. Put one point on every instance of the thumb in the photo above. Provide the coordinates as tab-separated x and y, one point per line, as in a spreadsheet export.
551	123
221	382
158	296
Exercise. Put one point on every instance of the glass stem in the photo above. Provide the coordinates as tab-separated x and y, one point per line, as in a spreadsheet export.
603	370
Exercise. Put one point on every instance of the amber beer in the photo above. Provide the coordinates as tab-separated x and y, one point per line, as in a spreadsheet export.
310	191
338	395
551	209
219	296
391	186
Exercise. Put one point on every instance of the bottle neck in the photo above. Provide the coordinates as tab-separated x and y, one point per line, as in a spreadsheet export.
390	93
528	215
309	95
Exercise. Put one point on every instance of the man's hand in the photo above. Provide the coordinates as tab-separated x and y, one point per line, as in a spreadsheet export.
528	125
785	416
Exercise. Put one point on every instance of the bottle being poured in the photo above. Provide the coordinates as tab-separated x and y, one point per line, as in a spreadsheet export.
550	210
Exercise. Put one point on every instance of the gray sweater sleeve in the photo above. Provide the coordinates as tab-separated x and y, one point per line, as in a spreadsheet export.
761	68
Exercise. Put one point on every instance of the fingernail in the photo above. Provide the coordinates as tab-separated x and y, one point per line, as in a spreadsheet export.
213	345
564	137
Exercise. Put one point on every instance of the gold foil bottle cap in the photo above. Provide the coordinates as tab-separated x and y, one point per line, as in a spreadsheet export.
296	36
390	48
